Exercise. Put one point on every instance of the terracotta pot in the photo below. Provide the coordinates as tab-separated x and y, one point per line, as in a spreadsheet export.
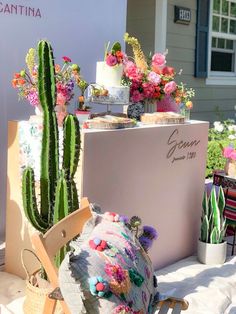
211	254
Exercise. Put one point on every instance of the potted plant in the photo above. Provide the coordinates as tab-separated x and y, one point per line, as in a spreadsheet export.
211	246
82	111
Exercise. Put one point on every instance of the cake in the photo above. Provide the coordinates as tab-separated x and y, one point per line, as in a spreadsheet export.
108	88
162	118
110	122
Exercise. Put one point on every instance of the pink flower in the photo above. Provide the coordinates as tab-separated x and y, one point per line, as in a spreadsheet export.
132	72
158	60
136	96
111	60
148	90
154	78
233	155
170	87
166	104
61	99
33	98
169	71
227	151
66	59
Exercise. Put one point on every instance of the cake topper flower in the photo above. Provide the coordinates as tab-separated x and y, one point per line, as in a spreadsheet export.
115	56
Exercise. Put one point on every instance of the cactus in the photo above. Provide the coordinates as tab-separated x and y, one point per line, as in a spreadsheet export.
213	223
58	193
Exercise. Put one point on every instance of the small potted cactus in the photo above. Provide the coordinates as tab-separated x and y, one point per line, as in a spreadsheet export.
211	246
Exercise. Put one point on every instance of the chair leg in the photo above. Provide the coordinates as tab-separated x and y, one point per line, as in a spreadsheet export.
49	306
234	240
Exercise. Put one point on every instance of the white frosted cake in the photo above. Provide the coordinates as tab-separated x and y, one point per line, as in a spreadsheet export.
108	88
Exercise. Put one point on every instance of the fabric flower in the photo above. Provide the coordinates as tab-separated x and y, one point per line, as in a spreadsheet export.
111	60
170	87
114	217
98	244
98	286
145	242
150	232
121	280
123	309
158	60
135	277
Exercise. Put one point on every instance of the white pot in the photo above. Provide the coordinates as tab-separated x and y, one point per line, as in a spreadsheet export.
82	116
211	253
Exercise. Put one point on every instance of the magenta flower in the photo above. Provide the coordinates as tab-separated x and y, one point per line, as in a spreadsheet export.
32	97
136	96
111	60
148	90
158	60
154	78
66	59
233	155
132	72
170	87
228	151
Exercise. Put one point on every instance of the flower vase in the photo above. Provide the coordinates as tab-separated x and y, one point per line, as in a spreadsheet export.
61	112
230	167
134	111
150	107
185	112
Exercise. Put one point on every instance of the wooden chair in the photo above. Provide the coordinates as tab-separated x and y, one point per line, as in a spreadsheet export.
47	245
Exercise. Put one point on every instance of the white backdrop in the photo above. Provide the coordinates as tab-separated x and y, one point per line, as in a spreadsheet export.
78	29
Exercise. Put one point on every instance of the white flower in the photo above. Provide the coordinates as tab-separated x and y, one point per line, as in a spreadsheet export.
218	126
232	137
232	128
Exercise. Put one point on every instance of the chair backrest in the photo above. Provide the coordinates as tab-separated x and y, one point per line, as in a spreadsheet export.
47	245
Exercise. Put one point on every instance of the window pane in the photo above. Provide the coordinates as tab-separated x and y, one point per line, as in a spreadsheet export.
221	61
224	25
221	43
229	44
233	9
232	27
216	6
225	7
216	24
214	42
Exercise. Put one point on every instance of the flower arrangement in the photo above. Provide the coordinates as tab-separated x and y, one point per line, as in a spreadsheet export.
152	80
27	80
115	56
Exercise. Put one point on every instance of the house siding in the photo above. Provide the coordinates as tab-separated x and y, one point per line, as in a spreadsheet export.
212	102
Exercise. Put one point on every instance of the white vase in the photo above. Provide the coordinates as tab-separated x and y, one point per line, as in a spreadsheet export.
211	254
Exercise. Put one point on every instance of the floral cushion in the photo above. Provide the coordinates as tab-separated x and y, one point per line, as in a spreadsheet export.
108	271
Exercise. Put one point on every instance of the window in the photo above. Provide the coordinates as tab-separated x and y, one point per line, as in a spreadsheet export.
222	38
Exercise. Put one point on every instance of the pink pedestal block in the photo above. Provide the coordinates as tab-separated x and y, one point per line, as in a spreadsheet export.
155	172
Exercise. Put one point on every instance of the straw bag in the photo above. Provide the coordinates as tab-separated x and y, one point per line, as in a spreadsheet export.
37	289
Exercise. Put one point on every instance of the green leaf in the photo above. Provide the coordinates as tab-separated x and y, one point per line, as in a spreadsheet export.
221	200
204	229
214	236
215	209
205	203
116	47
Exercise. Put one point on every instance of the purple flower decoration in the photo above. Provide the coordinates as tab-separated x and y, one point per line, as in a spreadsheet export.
150	232
145	242
111	60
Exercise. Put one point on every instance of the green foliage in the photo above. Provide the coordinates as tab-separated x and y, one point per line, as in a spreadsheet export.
58	193
218	138
213	225
116	47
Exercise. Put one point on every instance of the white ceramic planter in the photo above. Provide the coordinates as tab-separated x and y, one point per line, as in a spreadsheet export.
82	116
211	253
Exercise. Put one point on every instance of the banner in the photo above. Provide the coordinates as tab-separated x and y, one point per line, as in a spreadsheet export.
77	29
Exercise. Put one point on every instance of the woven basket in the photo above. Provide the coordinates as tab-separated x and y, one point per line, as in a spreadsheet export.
36	290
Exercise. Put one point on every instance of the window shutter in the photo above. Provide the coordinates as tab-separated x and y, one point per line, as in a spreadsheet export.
202	31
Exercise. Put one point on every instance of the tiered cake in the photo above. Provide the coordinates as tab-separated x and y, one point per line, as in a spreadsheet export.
108	88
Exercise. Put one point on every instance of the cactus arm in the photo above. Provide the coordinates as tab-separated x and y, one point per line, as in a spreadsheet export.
205	229
62	202
29	201
71	145
74	196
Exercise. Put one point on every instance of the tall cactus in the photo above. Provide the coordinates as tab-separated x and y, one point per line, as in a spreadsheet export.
58	193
